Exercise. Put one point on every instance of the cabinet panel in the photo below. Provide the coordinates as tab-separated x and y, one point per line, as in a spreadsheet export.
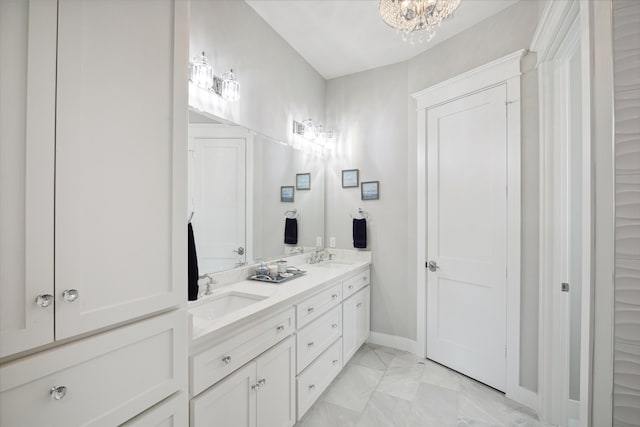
108	378
276	396
231	402
356	318
315	306
171	412
27	144
355	283
315	379
120	161
314	338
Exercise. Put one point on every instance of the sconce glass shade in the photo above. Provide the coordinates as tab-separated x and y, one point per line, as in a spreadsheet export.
230	87
200	72
309	130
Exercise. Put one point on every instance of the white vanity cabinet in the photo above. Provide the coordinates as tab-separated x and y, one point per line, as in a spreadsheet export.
356	315
260	394
93	152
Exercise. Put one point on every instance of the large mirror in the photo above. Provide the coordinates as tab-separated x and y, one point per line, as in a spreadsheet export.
237	203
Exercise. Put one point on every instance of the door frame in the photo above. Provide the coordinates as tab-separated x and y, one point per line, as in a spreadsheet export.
503	71
561	22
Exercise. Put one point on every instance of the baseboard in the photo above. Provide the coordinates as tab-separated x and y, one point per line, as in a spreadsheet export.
394	341
525	397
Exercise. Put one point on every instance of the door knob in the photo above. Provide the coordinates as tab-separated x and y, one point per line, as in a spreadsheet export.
432	266
70	295
44	300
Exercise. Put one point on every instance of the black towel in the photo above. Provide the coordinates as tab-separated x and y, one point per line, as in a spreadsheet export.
193	265
360	233
291	231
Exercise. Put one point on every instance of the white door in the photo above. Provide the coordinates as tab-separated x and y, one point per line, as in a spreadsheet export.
218	193
27	144
276	378
120	226
467	235
231	402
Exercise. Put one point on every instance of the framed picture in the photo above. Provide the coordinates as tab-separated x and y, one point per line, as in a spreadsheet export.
350	178
286	194
303	181
370	190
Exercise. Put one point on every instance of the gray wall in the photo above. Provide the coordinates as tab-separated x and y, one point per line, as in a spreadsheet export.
276	84
377	122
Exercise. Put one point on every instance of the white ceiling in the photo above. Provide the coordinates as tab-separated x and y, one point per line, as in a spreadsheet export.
340	37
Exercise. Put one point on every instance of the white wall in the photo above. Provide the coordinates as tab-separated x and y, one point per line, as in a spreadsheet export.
276	84
377	123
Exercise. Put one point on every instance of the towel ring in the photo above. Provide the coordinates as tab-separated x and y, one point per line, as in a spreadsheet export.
293	212
363	214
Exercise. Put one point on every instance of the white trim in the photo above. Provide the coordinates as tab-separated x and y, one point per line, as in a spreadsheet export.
480	78
506	71
393	341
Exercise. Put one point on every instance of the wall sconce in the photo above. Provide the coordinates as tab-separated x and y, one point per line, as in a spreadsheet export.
202	75
311	132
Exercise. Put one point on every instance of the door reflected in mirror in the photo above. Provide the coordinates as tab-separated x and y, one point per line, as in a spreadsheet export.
235	182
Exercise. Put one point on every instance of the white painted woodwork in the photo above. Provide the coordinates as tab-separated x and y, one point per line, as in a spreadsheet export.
220	211
276	403
313	307
231	402
467	229
354	284
356	317
171	412
27	144
317	336
110	377
120	161
317	377
240	346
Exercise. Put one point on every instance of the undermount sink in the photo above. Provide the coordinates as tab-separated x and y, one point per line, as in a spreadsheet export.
221	305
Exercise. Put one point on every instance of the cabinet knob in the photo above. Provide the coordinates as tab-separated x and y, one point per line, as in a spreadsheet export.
364	279
335	325
70	295
334	296
350	286
226	359
310	344
312	386
310	309
280	328
255	387
58	392
359	305
44	300
262	382
335	362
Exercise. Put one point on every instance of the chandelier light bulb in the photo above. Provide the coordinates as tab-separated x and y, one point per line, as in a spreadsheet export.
201	72
416	20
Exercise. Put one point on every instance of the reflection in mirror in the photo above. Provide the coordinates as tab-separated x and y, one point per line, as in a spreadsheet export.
235	179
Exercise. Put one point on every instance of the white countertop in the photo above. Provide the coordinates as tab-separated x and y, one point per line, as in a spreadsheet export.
278	296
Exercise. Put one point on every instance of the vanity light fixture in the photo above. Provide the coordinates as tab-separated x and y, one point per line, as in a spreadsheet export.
202	75
311	132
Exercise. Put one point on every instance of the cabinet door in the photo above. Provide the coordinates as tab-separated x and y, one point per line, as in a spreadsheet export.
27	144
276	377
231	402
349	322
363	316
121	146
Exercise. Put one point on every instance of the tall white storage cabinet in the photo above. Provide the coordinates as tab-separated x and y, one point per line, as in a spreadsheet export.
93	143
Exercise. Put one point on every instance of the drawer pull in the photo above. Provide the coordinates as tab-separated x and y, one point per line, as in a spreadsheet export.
44	300
350	286
364	279
334	296
280	328
335	325
310	309
262	382
312	386
226	359
335	362
58	392
310	344
359	305
70	295
255	387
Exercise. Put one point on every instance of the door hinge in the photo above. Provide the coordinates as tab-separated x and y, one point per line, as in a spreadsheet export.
564	287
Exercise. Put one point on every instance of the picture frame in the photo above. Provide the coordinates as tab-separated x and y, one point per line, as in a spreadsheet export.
350	178
287	194
303	181
370	190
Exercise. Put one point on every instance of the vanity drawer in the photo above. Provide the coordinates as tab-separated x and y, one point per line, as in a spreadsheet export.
314	338
315	379
171	412
314	307
215	363
102	380
355	283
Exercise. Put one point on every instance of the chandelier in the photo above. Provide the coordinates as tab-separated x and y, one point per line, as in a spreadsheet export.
416	19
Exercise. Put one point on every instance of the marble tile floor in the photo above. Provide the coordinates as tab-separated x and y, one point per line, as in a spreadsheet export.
385	387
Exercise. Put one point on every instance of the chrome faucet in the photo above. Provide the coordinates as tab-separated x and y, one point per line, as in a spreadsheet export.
297	250
210	282
318	256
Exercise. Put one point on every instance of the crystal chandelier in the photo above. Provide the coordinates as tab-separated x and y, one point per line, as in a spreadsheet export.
416	19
